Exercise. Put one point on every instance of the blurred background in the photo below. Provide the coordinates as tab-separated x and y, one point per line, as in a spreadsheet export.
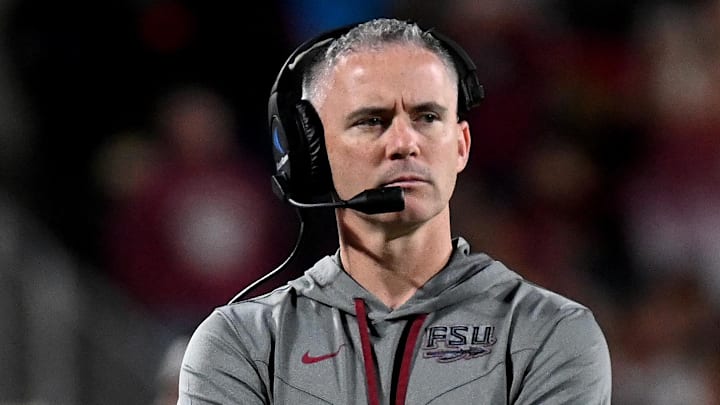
135	192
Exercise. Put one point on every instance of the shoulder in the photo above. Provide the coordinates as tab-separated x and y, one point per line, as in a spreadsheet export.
545	321
534	312
534	303
240	323
537	302
259	313
560	339
229	354
554	341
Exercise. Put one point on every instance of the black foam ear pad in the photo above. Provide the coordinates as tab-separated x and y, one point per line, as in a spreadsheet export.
319	179
301	168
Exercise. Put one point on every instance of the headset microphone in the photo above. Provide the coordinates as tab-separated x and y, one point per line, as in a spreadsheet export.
372	201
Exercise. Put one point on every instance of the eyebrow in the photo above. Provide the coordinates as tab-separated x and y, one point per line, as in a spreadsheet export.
430	106
366	111
370	111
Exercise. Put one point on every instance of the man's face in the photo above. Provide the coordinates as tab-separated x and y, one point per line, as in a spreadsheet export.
390	119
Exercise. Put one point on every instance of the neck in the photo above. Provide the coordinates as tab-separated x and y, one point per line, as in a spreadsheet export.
393	265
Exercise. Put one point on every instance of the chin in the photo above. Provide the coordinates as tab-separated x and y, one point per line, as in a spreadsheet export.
413	214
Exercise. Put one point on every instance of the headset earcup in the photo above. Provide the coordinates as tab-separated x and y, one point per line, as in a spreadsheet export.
319	180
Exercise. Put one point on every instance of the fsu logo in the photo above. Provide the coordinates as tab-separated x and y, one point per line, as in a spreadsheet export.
450	343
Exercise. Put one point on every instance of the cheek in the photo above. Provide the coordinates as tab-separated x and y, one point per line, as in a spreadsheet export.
337	155
338	166
345	165
451	164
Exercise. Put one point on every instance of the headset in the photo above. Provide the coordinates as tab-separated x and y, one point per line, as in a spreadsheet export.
302	171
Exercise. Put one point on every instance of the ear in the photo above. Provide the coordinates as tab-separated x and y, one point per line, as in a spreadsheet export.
463	142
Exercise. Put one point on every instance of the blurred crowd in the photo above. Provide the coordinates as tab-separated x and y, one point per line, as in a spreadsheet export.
135	178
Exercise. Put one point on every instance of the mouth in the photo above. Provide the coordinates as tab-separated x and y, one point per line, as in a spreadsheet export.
404	181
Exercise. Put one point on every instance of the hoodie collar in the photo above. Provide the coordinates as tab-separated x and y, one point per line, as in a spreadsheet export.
465	275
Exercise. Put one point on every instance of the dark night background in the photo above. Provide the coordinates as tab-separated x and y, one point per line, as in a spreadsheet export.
135	192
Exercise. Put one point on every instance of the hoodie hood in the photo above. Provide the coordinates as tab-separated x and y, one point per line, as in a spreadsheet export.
466	274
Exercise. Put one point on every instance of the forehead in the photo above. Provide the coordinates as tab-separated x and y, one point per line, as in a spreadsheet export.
389	52
393	67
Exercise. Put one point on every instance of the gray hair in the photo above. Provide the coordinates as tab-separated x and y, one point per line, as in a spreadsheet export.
371	35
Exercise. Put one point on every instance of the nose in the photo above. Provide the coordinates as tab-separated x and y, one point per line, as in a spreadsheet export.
402	140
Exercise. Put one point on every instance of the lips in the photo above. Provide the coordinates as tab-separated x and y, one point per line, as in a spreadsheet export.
405	174
403	181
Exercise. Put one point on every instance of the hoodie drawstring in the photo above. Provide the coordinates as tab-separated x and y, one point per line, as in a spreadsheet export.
373	392
408	353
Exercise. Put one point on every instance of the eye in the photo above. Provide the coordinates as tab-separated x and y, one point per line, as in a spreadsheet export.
369	122
429	117
429	113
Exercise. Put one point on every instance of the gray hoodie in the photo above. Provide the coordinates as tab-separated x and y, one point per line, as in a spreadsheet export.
476	333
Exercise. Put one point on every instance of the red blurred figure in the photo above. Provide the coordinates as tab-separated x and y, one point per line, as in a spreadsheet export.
203	223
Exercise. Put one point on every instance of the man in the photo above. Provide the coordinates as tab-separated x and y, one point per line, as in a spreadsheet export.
402	313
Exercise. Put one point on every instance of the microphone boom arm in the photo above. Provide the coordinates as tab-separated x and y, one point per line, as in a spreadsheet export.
371	201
